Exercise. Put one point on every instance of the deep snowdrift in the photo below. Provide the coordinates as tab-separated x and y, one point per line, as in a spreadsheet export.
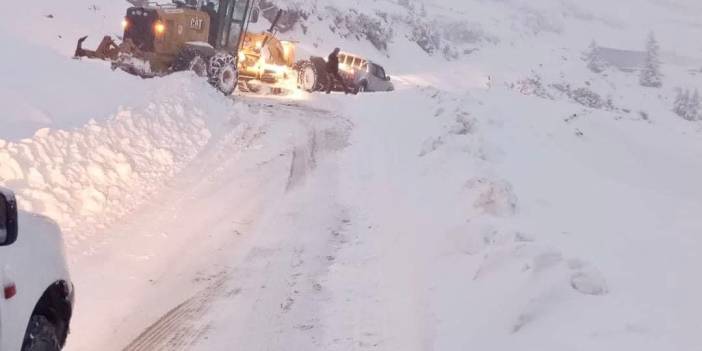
89	176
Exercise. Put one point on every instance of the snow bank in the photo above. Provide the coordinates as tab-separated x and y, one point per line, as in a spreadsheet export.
86	177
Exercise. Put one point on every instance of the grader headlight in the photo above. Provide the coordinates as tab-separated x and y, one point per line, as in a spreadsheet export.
159	28
346	68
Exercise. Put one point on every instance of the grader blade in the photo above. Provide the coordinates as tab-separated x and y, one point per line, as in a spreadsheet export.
107	50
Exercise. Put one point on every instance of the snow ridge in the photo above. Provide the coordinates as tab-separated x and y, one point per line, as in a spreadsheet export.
87	177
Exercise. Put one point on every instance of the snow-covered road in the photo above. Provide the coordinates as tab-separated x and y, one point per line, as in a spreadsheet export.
297	229
206	232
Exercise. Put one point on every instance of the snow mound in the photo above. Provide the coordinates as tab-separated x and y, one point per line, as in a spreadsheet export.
494	197
589	282
87	177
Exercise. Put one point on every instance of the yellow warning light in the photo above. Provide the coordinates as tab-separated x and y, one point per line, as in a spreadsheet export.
159	28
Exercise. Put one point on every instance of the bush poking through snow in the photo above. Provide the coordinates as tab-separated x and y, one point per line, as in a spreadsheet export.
585	97
589	98
425	35
687	105
651	72
376	29
447	37
494	197
532	86
464	124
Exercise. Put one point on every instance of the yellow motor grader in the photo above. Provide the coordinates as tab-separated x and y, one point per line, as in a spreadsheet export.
204	36
208	37
266	60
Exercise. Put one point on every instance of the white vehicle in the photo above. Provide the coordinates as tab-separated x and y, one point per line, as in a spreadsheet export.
358	73
36	301
364	74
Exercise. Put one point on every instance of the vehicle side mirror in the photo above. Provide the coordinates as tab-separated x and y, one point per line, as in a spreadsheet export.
255	13
8	218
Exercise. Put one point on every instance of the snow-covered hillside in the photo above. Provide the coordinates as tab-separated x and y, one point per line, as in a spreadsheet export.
504	197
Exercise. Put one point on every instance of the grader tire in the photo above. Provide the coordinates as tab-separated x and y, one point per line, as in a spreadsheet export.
223	73
312	74
190	59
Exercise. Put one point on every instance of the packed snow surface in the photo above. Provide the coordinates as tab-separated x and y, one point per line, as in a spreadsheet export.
504	197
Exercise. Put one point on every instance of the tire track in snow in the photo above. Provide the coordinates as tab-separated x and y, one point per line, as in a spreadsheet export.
182	326
302	162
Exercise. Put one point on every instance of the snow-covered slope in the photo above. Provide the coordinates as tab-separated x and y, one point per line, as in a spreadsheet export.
504	197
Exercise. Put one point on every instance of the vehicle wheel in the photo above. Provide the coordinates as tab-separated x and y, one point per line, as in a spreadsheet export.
309	77
223	73
41	335
199	66
189	59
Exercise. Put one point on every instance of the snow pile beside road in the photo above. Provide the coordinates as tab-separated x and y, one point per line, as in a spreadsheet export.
85	178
